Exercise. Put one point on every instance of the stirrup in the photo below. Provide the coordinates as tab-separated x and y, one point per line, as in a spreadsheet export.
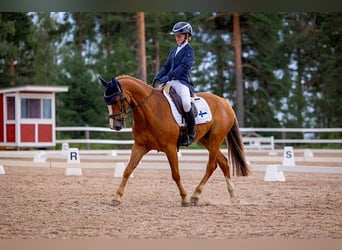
185	141
192	136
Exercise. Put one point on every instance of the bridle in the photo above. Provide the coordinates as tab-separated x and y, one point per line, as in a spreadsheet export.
122	114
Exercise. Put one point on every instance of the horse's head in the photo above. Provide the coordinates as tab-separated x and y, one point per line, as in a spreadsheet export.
115	100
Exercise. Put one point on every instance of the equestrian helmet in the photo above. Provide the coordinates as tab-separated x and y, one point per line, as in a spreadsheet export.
181	28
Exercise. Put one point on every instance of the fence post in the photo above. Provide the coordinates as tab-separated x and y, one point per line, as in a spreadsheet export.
87	136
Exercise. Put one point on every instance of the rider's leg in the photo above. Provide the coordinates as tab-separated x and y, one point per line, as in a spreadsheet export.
184	92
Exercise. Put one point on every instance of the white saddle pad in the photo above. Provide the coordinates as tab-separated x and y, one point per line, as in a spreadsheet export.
203	110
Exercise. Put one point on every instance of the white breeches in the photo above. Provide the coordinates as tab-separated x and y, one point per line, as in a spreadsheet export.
184	93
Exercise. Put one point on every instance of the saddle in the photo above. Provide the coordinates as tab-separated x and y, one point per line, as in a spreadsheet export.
199	106
178	101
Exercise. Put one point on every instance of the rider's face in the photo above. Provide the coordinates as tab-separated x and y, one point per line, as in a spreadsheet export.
180	38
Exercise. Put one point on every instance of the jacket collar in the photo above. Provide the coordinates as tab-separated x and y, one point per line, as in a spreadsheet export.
180	48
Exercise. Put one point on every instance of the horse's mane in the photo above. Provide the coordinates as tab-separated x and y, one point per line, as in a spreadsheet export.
131	77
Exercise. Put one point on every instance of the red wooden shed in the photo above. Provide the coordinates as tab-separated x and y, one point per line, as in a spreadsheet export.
27	117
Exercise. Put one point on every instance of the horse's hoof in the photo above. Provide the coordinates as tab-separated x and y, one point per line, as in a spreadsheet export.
231	194
194	200
235	200
115	203
185	204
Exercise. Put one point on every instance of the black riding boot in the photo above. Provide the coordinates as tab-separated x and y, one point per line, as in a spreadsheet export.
190	121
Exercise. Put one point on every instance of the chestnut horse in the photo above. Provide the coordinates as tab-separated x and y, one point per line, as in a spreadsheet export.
155	128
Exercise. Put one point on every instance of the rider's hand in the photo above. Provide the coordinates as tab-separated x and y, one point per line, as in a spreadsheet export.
164	79
155	82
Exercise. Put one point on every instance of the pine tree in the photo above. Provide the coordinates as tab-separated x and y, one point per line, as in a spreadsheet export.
46	45
327	87
15	48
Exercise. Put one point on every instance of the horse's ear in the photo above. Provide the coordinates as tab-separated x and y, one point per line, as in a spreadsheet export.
113	80
104	83
116	83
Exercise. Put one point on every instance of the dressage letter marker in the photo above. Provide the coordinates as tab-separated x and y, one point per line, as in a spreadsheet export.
308	153
65	148
2	170
272	174
73	157
39	157
119	169
288	158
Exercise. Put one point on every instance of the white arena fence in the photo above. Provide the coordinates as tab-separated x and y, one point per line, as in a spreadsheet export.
260	151
251	137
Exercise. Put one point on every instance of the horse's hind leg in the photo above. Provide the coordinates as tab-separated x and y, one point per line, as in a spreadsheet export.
137	153
211	166
216	157
223	163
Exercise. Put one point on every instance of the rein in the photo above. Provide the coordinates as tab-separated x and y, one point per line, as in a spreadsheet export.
140	104
123	110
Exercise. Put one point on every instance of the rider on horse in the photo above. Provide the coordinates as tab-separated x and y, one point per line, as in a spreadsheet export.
176	71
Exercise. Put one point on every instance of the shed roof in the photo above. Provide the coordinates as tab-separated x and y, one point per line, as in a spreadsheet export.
34	88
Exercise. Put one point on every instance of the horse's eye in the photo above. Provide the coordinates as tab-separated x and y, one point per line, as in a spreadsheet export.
115	99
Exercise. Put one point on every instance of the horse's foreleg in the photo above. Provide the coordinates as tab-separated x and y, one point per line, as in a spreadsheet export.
173	161
136	155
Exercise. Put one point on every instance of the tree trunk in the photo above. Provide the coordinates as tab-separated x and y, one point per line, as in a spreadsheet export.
238	70
157	49
157	55
299	98
12	72
219	88
141	45
79	33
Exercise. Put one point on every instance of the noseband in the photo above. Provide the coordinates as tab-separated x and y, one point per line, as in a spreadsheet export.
114	98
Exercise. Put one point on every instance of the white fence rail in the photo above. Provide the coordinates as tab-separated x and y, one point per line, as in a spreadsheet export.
87	139
250	142
307	132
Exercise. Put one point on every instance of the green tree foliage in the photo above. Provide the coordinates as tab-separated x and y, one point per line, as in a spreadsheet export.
312	45
15	48
261	59
291	61
327	88
46	44
214	50
7	47
117	43
83	104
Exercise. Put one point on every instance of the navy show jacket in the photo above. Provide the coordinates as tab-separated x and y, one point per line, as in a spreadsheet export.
178	67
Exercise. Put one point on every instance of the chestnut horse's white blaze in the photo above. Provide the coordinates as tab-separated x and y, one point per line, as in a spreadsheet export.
110	113
155	128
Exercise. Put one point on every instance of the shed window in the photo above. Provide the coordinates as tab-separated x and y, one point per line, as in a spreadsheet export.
47	108
36	108
30	108
10	107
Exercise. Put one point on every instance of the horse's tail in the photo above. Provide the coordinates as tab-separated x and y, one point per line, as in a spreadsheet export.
236	151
